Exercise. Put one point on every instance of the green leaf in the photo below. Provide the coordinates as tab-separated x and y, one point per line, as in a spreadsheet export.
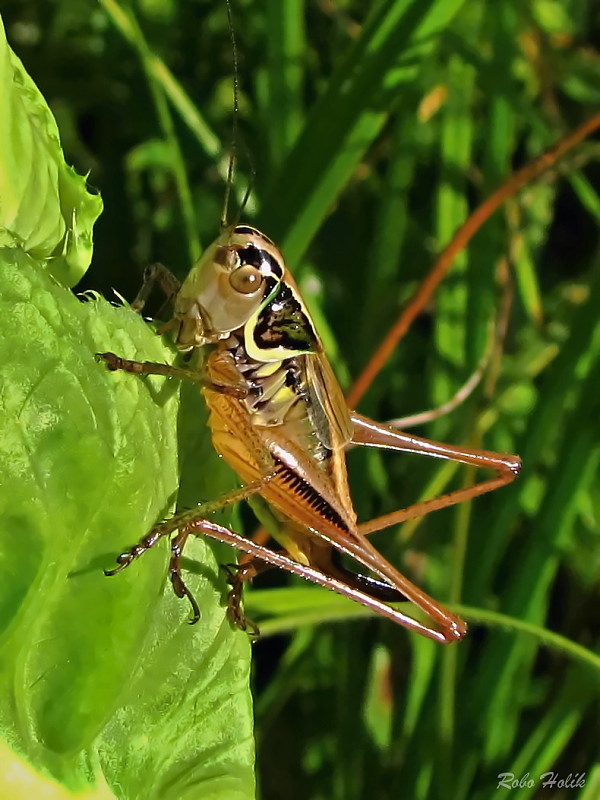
104	688
44	205
98	670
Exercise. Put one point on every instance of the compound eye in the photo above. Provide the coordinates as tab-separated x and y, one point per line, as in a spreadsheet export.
246	279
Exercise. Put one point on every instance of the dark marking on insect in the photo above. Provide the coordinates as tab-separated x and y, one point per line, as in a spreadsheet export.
259	258
283	323
247	229
317	502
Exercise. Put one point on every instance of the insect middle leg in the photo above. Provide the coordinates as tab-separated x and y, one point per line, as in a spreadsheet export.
184	522
237	576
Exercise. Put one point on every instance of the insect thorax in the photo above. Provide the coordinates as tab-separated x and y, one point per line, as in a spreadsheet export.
277	394
273	351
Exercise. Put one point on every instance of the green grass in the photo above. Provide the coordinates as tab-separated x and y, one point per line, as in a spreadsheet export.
362	188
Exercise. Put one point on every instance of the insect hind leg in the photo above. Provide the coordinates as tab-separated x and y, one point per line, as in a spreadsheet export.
237	576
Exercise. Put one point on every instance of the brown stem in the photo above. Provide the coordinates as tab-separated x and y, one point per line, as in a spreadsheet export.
460	239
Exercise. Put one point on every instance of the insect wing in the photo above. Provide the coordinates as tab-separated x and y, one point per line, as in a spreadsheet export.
327	407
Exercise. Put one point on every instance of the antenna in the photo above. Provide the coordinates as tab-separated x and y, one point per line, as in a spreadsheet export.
234	121
234	130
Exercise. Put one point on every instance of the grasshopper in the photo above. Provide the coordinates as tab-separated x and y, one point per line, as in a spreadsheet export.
278	417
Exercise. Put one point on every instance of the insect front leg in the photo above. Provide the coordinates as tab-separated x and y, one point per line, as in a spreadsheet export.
156	275
115	362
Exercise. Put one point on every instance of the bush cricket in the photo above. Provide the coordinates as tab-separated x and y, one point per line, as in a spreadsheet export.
279	418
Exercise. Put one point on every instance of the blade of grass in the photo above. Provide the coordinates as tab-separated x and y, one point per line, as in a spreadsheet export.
342	124
126	23
286	49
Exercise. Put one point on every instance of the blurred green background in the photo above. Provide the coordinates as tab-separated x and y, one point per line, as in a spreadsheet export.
371	137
